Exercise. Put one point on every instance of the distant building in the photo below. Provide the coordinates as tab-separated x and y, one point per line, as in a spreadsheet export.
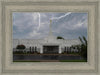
49	44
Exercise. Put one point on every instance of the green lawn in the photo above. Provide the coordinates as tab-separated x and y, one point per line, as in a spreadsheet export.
73	60
51	60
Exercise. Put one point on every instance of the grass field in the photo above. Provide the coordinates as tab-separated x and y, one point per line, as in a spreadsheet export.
52	61
73	60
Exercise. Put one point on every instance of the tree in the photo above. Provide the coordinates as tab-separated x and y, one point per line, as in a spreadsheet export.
83	47
20	47
59	37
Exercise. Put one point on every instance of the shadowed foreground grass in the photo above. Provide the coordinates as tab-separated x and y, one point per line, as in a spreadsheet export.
25	61
53	61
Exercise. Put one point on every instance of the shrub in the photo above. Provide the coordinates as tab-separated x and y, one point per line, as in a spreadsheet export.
20	47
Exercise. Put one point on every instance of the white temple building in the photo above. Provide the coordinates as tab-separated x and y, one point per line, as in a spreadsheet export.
48	44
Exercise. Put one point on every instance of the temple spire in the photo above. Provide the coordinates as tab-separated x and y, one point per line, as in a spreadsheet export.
50	31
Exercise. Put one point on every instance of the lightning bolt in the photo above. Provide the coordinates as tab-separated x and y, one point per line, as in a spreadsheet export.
39	20
54	18
57	18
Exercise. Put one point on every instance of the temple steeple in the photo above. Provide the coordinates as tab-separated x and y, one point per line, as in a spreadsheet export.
50	30
50	37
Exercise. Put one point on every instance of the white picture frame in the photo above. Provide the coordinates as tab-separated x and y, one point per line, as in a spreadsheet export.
71	68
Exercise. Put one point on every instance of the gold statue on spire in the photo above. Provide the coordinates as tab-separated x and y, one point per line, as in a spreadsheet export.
50	21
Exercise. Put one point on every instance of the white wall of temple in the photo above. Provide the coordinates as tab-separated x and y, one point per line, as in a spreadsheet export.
37	43
41	49
60	51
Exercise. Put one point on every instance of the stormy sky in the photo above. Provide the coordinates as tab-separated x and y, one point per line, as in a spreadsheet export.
35	25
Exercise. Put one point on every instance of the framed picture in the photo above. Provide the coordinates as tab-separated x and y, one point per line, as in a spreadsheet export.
36	39
56	37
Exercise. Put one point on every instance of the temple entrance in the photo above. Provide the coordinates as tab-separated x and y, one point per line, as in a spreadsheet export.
50	49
